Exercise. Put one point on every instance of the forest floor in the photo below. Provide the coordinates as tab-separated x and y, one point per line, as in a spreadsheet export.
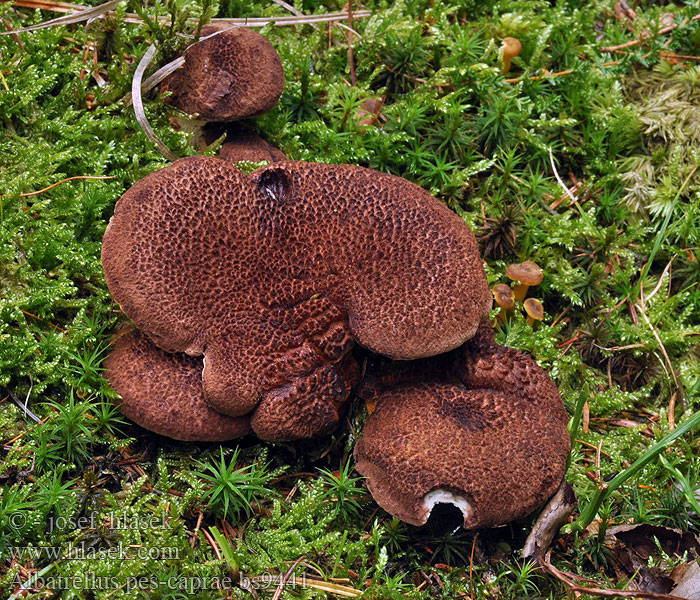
583	157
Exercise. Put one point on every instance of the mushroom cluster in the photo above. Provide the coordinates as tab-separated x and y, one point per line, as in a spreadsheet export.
273	276
250	293
250	296
524	275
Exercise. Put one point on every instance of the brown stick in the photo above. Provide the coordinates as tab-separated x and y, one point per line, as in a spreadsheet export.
285	578
351	59
646	36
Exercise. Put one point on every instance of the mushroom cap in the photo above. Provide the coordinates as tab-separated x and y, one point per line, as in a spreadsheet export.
242	144
511	46
482	428
163	392
526	272
534	308
274	275
230	76
503	294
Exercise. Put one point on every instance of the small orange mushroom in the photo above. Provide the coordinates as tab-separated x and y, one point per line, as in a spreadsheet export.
526	274
510	47
534	310
503	295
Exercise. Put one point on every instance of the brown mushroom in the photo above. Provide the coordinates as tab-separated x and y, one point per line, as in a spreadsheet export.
163	392
233	74
273	276
534	310
526	274
482	428
241	144
510	48
503	295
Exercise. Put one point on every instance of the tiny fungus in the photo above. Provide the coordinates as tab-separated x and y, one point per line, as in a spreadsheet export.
526	274
232	74
504	297
275	275
482	428
534	310
163	392
510	48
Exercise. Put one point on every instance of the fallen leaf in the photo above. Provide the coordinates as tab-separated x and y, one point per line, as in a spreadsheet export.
688	585
633	545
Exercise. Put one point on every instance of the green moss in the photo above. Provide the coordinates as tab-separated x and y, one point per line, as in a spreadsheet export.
449	123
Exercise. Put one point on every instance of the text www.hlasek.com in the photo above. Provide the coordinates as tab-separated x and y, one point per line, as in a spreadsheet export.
84	551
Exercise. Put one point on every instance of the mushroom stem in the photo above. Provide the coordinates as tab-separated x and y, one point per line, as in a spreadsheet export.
510	47
520	291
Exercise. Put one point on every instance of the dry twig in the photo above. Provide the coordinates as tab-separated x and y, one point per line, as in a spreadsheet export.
566	578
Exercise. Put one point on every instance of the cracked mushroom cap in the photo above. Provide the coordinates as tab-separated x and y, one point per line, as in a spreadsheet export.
163	392
274	275
482	428
232	75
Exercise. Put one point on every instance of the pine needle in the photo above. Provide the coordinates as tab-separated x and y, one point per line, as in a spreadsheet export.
86	14
53	185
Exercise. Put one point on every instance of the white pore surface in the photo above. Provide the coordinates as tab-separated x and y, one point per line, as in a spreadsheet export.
440	496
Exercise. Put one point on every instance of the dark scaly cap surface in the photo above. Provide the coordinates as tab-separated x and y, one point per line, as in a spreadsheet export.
230	76
163	392
482	427
272	276
241	143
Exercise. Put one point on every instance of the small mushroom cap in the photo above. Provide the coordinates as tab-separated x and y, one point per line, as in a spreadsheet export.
503	294
251	149
526	272
534	309
511	46
274	275
482	427
241	144
163	392
230	76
